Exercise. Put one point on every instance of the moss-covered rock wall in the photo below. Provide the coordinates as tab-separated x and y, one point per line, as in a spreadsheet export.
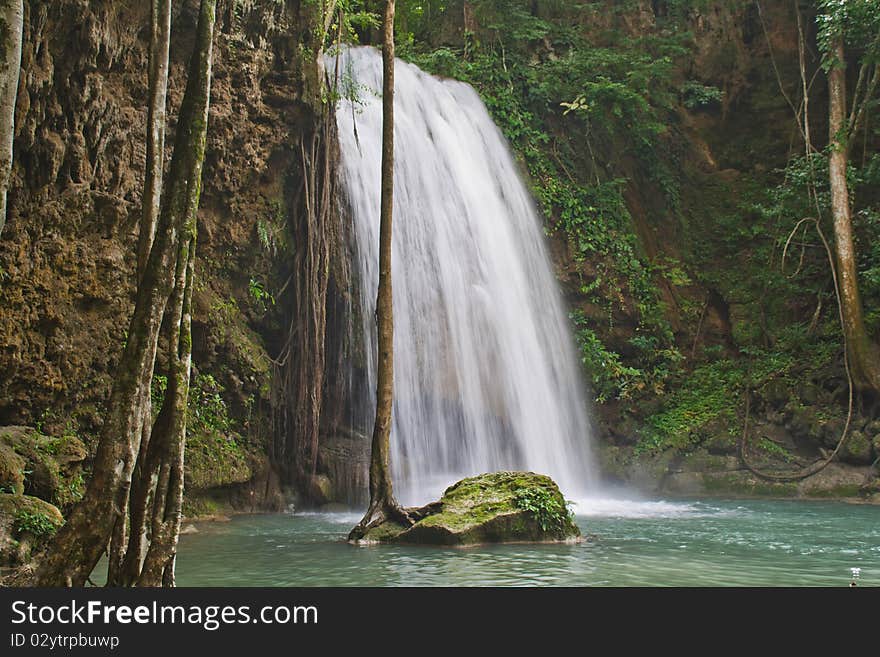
67	251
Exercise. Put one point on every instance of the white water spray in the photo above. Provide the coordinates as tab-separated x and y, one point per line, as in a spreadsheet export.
486	377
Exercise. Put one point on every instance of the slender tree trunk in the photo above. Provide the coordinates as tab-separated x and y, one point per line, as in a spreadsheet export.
143	486
76	548
11	25
168	498
380	463
864	355
160	40
382	502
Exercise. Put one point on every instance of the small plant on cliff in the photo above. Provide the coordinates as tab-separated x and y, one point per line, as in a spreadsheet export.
260	294
546	508
157	391
38	524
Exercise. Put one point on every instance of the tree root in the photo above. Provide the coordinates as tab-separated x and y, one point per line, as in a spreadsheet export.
391	511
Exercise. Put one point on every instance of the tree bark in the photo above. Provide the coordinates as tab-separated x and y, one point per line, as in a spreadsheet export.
863	353
168	497
143	486
160	40
382	502
76	548
11	25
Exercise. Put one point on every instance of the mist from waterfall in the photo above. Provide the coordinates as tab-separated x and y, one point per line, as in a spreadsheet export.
486	376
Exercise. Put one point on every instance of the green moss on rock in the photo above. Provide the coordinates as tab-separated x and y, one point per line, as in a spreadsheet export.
837	492
12	467
500	507
213	459
47	467
858	449
746	484
26	523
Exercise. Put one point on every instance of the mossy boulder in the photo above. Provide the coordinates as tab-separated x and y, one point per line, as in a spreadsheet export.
26	523
12	467
48	467
500	507
858	450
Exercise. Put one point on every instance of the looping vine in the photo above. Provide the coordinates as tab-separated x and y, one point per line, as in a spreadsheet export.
817	467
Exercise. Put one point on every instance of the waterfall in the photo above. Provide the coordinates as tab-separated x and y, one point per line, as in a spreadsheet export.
486	376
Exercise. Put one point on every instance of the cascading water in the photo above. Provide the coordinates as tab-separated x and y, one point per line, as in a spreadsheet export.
485	374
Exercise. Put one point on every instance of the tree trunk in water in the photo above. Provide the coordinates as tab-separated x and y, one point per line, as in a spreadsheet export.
76	548
160	40
382	503
864	355
168	497
11	25
143	485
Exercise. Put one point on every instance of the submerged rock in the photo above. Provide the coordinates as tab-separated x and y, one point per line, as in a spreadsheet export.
499	507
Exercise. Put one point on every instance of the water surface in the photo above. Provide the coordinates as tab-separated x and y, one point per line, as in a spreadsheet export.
634	543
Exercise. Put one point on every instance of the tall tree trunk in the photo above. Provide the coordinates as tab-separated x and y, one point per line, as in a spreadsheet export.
864	355
168	497
143	486
11	25
382	503
76	548
160	42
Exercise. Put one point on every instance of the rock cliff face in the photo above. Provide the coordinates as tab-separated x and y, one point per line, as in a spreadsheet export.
67	252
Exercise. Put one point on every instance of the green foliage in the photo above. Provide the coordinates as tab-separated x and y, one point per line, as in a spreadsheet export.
548	509
260	294
73	490
157	391
351	19
858	21
206	410
610	378
712	393
270	231
226	311
697	95
37	524
774	449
